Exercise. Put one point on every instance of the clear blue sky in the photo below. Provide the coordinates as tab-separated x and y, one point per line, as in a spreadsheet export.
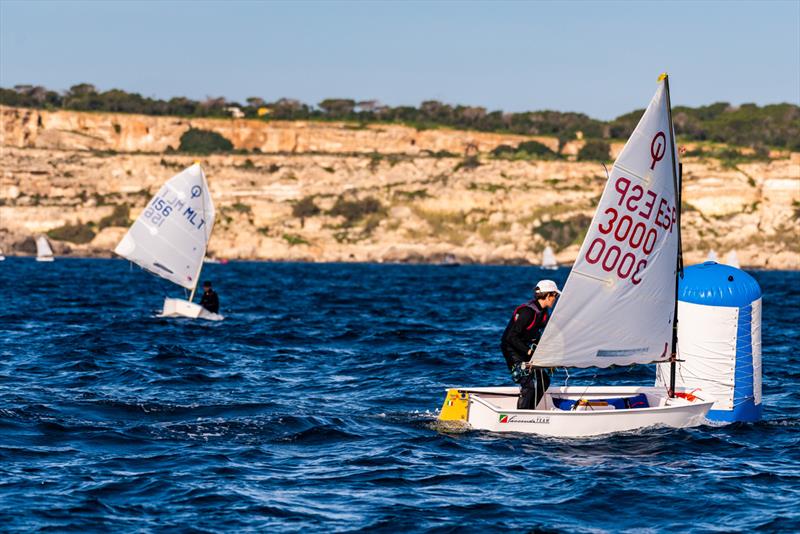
599	58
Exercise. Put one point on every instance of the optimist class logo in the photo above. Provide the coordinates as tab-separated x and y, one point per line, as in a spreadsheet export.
503	418
658	147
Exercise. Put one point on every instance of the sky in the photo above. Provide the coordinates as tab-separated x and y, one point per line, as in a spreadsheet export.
598	58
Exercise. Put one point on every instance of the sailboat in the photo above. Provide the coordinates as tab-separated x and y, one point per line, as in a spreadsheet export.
43	250
618	306
732	259
2	256
712	255
170	238
549	259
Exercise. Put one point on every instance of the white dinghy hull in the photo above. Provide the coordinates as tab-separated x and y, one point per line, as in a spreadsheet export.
45	258
495	409
184	308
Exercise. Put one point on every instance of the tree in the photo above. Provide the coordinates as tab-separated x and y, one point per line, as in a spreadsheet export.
595	150
305	207
204	142
338	107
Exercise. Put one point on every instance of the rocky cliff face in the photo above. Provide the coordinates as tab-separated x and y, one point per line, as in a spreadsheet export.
59	169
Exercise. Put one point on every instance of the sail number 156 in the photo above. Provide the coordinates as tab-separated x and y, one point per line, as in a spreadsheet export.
158	211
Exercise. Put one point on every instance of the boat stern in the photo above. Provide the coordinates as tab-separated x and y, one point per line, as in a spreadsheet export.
456	406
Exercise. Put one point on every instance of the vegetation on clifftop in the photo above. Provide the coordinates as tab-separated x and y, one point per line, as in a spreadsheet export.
776	125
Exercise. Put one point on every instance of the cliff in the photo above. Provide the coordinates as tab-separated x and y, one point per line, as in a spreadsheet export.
69	168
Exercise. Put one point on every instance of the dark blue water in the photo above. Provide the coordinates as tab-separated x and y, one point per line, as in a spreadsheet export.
312	406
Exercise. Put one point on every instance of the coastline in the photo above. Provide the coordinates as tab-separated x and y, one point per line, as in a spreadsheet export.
408	206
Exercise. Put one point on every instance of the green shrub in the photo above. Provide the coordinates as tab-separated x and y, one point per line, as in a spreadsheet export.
411	195
305	207
441	154
242	208
203	142
294	239
535	148
504	150
355	210
595	150
564	233
119	217
469	163
74	233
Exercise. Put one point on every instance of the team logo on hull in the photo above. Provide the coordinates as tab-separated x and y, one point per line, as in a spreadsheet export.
536	419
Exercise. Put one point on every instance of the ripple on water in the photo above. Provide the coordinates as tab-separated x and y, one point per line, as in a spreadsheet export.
313	406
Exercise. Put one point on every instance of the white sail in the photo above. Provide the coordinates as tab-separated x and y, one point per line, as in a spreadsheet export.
170	236
732	259
549	259
43	249
617	304
712	255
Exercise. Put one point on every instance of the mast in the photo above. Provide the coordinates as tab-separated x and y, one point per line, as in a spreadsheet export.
677	179
205	248
196	280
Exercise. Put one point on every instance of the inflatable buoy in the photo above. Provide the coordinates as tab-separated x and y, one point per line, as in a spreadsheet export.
719	340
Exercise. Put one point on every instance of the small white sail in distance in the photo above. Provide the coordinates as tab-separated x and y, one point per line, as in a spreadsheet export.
549	258
732	259
170	236
712	255
43	249
618	302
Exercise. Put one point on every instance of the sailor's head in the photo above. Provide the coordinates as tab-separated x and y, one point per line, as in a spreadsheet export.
546	292
206	285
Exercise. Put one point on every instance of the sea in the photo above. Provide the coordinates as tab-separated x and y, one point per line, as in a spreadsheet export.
312	407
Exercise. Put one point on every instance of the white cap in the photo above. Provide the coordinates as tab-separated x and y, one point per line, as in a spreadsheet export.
546	286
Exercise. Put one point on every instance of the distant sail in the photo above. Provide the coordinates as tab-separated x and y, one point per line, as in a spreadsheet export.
43	249
618	302
712	255
549	259
732	259
170	237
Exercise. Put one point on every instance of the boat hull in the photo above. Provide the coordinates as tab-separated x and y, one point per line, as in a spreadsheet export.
494	409
190	310
45	258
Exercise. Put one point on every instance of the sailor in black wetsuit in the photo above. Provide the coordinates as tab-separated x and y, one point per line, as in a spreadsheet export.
519	342
210	300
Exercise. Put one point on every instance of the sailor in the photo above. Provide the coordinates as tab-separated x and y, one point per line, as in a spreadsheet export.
210	300
520	339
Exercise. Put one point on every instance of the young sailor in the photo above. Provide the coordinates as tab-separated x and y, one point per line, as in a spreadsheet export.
519	341
210	300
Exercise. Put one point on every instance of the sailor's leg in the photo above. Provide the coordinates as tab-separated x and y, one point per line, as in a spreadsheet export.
527	392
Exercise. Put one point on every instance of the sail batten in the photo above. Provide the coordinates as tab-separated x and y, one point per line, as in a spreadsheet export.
170	237
618	302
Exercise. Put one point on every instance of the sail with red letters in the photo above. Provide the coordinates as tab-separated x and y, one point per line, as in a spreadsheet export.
618	302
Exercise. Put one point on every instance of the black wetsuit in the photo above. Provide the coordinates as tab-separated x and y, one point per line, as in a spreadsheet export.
525	328
210	301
